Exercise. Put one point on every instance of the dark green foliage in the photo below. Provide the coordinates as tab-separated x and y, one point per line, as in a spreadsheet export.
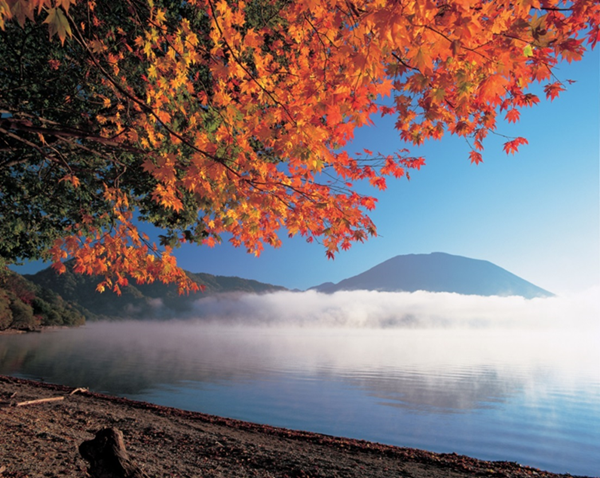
22	316
5	312
50	98
27	306
37	96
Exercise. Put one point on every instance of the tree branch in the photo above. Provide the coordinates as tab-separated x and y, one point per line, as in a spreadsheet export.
63	133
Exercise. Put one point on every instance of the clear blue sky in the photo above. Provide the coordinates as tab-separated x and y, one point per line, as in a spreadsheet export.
536	214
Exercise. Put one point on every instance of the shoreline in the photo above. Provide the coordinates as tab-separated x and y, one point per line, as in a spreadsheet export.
44	437
38	330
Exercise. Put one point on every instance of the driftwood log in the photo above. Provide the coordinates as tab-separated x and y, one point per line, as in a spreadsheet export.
107	456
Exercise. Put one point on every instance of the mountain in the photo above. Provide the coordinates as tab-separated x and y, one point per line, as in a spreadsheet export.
155	300
438	272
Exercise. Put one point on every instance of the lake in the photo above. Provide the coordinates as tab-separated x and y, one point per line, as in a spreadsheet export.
530	396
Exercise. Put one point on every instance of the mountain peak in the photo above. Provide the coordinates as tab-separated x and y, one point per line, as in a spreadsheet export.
438	272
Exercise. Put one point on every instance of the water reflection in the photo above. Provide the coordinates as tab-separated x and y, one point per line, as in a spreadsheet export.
447	370
531	396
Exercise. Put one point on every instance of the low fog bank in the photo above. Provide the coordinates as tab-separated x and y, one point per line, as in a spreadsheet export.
372	309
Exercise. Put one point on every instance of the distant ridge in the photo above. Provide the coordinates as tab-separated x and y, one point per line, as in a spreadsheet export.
438	272
144	301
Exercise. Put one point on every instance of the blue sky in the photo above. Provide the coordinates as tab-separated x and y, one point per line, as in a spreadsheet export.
536	213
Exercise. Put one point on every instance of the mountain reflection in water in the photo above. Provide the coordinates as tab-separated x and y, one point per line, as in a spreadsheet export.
531	396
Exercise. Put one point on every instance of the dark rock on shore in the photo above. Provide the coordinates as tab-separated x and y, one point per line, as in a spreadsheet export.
108	457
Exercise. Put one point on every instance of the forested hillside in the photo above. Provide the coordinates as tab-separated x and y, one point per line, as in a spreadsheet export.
27	306
136	301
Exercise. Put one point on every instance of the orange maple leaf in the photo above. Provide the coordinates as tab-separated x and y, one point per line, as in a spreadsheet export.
513	146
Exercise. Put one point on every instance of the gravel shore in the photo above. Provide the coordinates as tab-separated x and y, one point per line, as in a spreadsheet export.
41	439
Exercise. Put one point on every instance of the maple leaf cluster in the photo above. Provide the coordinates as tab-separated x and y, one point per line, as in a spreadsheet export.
213	117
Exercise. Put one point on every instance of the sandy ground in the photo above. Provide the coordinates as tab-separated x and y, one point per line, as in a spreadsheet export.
42	439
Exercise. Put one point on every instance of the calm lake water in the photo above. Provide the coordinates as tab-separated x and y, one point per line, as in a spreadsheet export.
530	396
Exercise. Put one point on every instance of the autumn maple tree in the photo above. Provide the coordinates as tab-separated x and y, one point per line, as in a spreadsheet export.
213	117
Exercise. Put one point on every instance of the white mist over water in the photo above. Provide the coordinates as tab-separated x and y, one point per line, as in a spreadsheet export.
499	378
372	309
